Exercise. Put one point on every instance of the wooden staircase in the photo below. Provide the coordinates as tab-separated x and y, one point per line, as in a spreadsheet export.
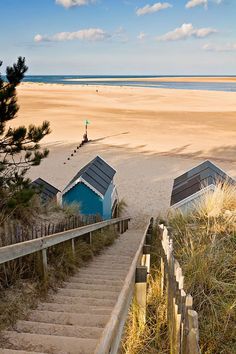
72	320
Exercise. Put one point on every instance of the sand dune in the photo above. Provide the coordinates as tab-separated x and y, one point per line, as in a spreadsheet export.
149	135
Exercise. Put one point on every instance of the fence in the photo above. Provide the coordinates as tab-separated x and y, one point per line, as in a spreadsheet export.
182	319
41	244
135	285
13	232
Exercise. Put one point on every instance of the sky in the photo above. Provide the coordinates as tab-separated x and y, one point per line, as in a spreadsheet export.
120	37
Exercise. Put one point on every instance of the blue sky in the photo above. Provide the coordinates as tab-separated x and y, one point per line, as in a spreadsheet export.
120	36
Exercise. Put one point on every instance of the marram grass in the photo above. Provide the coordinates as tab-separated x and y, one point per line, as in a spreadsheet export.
205	245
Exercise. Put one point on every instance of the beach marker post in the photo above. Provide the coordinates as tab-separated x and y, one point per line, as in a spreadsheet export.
85	137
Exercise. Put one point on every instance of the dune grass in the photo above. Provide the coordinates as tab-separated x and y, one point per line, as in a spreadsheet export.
205	245
151	337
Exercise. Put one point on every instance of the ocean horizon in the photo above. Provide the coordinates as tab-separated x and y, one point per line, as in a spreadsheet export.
132	80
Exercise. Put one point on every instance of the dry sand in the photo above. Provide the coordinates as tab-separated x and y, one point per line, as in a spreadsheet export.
149	135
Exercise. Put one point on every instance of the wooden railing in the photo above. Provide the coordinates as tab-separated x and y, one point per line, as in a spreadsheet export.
41	244
135	285
182	319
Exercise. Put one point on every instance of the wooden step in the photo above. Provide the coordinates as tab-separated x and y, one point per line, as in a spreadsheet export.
59	299
49	344
95	281
12	351
75	308
92	287
58	330
96	294
67	318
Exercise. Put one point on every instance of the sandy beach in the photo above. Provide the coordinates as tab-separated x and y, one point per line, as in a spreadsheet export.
149	135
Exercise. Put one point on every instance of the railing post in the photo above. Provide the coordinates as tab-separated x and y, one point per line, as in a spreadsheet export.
162	276
73	246
118	227
146	258
148	239
141	292
122	227
44	263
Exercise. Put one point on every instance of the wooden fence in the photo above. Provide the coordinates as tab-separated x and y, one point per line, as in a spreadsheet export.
14	232
182	319
41	244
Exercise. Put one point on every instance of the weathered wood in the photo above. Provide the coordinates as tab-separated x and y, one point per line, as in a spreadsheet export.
162	276
44	263
141	292
22	249
111	336
73	246
193	335
182	321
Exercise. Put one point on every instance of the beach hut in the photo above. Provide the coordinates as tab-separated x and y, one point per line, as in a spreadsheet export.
93	189
190	186
46	191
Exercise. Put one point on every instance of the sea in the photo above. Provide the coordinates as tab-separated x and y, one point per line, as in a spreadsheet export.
133	82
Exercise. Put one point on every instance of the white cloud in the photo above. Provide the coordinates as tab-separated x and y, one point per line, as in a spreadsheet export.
72	3
141	36
193	3
89	34
228	47
149	9
186	31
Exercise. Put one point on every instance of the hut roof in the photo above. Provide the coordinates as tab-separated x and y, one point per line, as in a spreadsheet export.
47	190
194	180
97	174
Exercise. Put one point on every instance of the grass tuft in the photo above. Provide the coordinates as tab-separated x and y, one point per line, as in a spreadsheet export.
205	245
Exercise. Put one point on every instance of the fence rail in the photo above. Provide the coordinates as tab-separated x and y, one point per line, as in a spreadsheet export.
21	249
182	319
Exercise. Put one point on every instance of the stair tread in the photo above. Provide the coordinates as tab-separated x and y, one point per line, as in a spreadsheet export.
58	329
67	318
49	344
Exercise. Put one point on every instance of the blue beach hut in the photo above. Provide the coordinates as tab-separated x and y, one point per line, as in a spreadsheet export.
93	189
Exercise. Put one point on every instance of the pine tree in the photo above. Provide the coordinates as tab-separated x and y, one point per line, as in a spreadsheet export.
19	147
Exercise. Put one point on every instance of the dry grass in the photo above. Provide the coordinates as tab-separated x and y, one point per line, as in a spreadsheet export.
205	245
152	337
21	283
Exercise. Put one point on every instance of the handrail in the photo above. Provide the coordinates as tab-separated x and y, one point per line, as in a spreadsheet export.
111	337
21	249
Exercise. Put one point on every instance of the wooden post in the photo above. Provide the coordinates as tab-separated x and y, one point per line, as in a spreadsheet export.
162	276
44	263
118	227
141	292
90	238
188	306
193	336
148	239
123	226
146	257
73	246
